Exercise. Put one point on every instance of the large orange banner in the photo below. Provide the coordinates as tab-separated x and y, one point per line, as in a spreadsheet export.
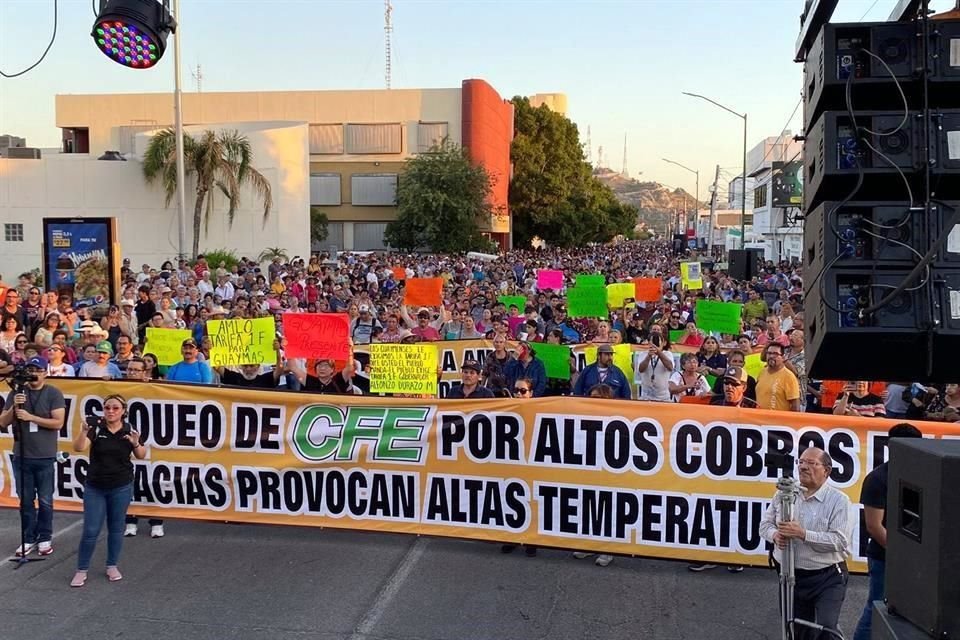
660	480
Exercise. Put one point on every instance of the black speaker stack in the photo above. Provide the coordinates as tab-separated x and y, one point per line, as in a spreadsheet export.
744	264
923	539
882	200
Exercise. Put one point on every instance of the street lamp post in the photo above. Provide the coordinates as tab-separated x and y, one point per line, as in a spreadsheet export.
696	216
178	132
743	202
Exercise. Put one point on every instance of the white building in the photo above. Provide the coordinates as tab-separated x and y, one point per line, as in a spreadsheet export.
778	230
78	185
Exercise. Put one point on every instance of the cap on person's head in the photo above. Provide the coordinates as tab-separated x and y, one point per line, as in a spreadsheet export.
189	342
470	365
604	348
364	308
88	325
104	347
423	313
127	302
37	362
738	374
561	309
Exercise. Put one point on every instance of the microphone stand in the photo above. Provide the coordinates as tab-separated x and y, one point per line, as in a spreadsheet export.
20	387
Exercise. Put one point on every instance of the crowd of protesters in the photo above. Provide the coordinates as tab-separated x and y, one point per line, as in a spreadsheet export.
369	288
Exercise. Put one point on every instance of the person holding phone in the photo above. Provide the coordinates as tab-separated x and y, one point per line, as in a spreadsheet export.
655	367
856	400
109	485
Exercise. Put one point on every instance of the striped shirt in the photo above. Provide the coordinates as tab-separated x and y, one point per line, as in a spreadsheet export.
825	516
868	406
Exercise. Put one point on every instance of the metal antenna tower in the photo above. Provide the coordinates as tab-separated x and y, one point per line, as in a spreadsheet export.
600	162
198	76
387	30
625	173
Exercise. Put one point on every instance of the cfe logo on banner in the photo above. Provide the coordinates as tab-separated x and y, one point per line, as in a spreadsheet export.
658	480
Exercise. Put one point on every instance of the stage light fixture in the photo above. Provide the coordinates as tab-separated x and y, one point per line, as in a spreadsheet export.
133	32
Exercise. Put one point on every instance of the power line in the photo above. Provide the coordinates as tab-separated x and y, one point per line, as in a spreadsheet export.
53	37
783	131
868	10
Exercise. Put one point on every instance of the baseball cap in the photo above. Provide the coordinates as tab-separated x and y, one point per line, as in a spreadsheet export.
38	362
189	342
104	347
736	373
604	348
471	365
127	302
364	308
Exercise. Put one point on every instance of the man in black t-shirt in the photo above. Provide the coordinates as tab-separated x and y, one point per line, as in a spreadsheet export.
327	380
40	410
873	496
249	376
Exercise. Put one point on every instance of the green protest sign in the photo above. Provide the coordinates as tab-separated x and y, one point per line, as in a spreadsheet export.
675	335
519	301
722	317
587	302
591	280
556	359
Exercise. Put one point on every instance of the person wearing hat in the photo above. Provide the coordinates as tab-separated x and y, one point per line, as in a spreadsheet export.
102	367
603	371
361	328
470	386
191	368
734	389
40	410
326	380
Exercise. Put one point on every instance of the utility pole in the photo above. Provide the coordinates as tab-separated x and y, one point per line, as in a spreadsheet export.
388	53
713	211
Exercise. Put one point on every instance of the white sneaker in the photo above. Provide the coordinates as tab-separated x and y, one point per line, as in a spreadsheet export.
130	531
45	548
24	550
604	559
580	555
156	531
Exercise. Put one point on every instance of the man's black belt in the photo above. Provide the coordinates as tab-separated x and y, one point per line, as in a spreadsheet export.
839	567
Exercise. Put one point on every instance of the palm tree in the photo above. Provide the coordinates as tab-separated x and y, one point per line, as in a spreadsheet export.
268	254
219	161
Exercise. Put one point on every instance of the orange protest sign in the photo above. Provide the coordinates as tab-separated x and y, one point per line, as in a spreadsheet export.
399	273
648	289
423	292
317	335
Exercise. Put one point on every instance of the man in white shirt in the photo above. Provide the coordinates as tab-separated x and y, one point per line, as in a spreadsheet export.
205	286
225	288
819	535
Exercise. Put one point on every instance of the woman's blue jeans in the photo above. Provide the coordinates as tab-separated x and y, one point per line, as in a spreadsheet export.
99	505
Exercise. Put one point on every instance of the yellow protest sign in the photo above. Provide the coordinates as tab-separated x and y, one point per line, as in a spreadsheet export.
618	292
241	341
165	344
753	364
403	368
690	275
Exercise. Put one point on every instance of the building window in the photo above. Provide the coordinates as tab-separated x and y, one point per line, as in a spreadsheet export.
326	139
325	189
430	134
373	189
374	138
13	232
760	197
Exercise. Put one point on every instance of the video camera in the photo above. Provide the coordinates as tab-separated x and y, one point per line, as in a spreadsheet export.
784	461
20	376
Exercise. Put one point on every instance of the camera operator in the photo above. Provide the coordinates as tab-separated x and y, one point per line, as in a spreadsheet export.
109	486
820	535
873	495
40	410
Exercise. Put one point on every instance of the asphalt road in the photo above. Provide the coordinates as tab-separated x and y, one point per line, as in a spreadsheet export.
220	581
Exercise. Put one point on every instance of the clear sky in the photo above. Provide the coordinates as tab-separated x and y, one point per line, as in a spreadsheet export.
621	64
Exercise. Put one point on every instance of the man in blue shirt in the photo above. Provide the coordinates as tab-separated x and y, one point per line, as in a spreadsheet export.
605	372
190	369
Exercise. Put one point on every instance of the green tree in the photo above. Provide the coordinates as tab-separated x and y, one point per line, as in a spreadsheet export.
268	254
441	203
217	162
553	194
319	225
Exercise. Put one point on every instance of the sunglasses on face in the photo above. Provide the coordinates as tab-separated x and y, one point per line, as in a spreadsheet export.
522	392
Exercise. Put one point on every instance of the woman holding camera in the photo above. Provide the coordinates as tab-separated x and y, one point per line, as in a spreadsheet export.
109	485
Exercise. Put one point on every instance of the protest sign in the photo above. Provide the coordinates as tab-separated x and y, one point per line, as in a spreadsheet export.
675	334
520	302
591	279
403	368
556	359
317	335
753	364
648	289
721	317
165	344
549	279
399	273
587	301
690	275
618	292
242	341
423	292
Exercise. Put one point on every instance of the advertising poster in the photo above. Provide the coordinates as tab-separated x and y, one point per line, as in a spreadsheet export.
80	260
787	184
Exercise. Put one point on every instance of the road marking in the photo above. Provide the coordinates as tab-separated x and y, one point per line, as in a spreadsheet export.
389	590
